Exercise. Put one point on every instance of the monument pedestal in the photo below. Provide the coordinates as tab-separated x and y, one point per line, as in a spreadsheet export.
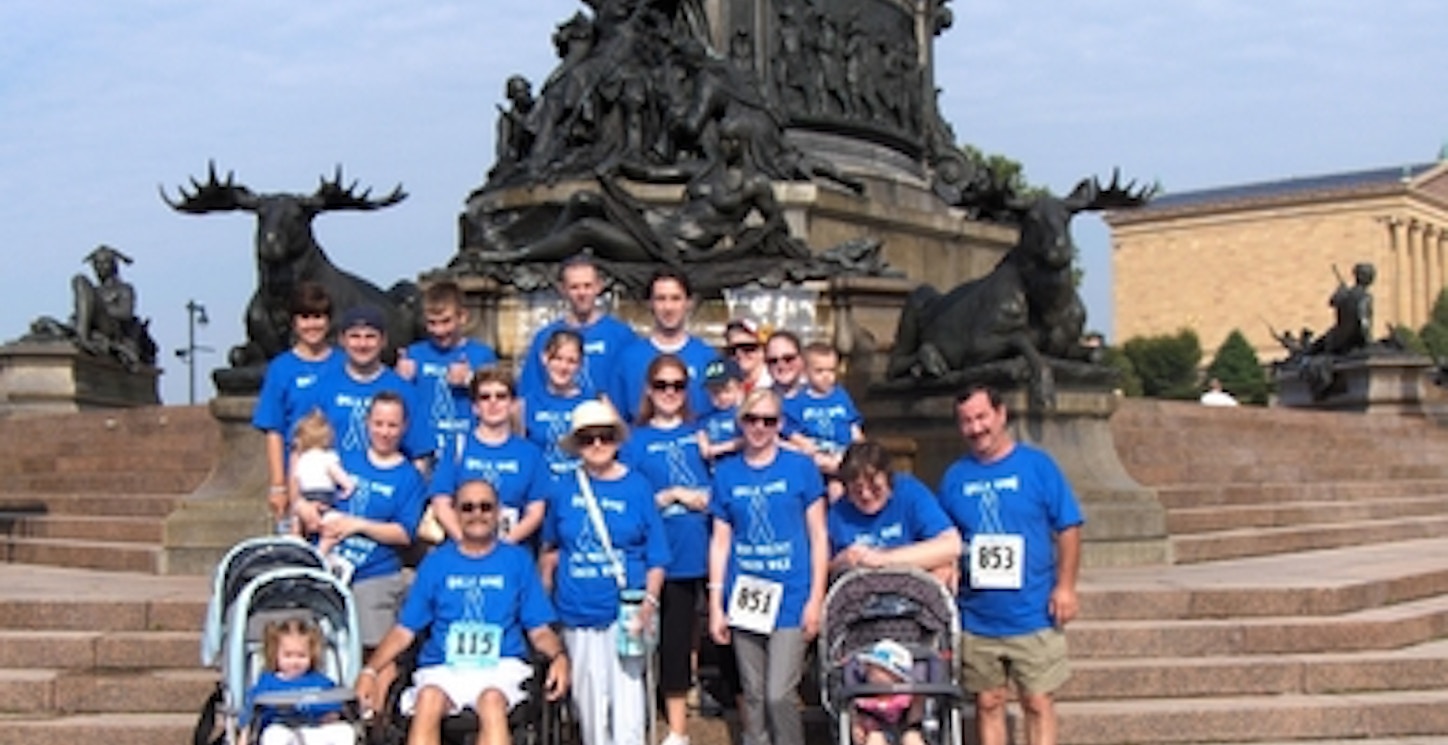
1125	523
1373	384
230	505
55	377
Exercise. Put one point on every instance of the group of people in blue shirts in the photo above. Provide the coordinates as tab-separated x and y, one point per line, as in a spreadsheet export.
617	484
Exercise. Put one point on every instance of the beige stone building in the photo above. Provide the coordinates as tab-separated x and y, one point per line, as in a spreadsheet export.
1244	257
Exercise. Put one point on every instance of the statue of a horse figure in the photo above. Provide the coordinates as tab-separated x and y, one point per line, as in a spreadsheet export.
1025	311
287	254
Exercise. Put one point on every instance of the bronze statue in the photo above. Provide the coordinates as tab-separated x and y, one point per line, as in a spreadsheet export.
1353	308
104	320
1021	320
287	253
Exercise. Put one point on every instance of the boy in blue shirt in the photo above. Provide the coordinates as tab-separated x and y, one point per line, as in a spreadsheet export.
821	420
441	365
719	428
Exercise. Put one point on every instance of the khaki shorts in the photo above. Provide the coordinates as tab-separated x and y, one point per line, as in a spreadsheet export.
1034	662
378	600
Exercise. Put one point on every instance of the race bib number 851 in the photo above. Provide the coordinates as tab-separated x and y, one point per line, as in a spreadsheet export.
754	604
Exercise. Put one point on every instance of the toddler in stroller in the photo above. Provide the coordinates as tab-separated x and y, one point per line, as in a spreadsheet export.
293	648
887	657
262	587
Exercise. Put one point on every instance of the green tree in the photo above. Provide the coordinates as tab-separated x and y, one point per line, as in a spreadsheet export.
1241	373
1127	379
1434	334
1167	364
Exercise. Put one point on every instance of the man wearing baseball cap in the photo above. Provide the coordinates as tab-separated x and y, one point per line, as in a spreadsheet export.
346	391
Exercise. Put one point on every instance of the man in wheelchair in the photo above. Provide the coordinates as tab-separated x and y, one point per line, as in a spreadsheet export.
476	599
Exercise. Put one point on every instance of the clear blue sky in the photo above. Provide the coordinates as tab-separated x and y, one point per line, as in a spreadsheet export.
101	102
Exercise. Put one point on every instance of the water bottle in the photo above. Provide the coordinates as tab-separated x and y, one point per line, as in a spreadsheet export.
630	642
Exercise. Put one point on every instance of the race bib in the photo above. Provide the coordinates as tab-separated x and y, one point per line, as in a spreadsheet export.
473	644
754	604
507	518
996	561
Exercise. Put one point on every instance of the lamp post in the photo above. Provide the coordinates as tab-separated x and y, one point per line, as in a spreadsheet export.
195	316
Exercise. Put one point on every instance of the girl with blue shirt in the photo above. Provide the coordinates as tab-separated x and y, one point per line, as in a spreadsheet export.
491	452
665	449
548	410
604	553
767	568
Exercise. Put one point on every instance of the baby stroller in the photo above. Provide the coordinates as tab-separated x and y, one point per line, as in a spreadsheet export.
260	581
908	606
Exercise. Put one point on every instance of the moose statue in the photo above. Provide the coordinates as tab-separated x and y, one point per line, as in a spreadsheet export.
287	253
1023	320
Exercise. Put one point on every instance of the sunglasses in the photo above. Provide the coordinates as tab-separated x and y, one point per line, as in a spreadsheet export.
592	437
493	396
750	347
768	421
468	508
676	386
787	358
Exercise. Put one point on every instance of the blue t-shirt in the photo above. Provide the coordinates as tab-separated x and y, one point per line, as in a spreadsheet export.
765	507
826	420
671	457
394	494
515	469
289	391
270	682
911	515
585	589
603	341
1022	494
631	375
722	425
547	417
345	400
447	408
500	589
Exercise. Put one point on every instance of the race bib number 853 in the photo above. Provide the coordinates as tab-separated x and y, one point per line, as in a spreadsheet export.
996	561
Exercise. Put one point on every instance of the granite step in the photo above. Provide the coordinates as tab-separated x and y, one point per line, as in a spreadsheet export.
1197	495
106	482
85	528
111	729
112	556
1418	666
1378	628
1253	718
1229	544
1189	520
70	502
98	650
53	692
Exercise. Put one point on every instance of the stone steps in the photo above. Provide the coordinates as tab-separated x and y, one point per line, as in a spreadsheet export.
1252	718
1189	520
50	692
98	650
111	729
115	556
1230	544
1417	666
1192	496
118	529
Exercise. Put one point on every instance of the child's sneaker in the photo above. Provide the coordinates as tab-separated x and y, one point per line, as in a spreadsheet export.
675	739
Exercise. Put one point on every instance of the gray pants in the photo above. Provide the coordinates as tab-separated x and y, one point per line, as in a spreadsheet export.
769	670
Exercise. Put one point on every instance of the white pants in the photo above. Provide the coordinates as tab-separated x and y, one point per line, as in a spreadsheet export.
599	676
333	733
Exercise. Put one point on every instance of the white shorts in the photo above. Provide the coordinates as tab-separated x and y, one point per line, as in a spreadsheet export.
463	685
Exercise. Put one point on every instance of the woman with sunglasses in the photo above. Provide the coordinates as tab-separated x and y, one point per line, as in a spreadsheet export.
741	341
665	449
785	364
604	553
768	561
547	411
493	453
483	606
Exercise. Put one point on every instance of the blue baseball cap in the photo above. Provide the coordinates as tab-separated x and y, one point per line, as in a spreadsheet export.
721	370
369	316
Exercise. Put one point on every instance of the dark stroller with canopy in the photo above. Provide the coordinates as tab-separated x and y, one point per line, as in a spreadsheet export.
912	608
